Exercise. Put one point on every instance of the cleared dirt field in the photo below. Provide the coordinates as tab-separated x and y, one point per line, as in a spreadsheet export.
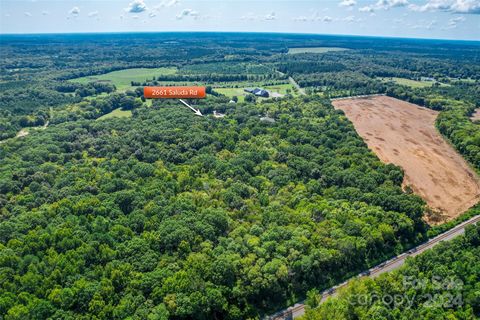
476	115
404	134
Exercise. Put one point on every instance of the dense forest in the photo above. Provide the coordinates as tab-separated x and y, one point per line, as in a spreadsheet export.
442	283
194	217
165	215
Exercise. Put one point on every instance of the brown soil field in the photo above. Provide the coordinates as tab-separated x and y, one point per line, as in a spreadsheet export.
476	115
404	134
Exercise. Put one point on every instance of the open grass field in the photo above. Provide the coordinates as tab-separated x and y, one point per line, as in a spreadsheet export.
122	78
279	89
117	113
315	50
230	92
404	134
464	80
412	83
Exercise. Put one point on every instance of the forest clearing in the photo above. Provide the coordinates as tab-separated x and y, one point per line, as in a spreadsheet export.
476	115
404	134
314	50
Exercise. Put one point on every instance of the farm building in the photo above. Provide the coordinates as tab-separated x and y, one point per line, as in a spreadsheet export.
258	92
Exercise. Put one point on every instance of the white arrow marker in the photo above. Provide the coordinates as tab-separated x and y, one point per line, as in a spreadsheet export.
197	111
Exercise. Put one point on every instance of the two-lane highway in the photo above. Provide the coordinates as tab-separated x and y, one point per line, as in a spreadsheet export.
299	308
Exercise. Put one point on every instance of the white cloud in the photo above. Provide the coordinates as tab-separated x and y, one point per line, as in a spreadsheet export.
314	17
271	16
301	19
93	14
166	4
187	13
455	6
171	3
431	24
136	6
268	17
27	14
385	5
366	9
348	3
424	24
349	19
452	23
249	16
458	19
466	6
75	11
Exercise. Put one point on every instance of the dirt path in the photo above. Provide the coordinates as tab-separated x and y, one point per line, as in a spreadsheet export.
404	134
476	115
22	133
300	90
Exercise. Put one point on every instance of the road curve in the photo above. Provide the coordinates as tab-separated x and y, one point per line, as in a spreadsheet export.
299	308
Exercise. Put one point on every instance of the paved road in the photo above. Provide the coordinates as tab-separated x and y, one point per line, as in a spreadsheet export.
299	309
300	90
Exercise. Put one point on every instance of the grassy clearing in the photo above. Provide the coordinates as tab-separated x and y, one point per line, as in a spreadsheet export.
117	113
240	93
410	83
122	78
315	50
280	88
230	92
464	80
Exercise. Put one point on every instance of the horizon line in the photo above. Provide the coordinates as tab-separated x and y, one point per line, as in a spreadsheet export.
237	32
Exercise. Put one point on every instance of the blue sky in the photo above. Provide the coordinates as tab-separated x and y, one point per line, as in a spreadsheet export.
443	19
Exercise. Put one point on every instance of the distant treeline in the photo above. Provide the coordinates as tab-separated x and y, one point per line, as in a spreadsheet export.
220	77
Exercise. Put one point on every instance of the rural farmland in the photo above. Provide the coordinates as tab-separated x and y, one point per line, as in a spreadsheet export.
122	78
120	204
404	134
315	50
